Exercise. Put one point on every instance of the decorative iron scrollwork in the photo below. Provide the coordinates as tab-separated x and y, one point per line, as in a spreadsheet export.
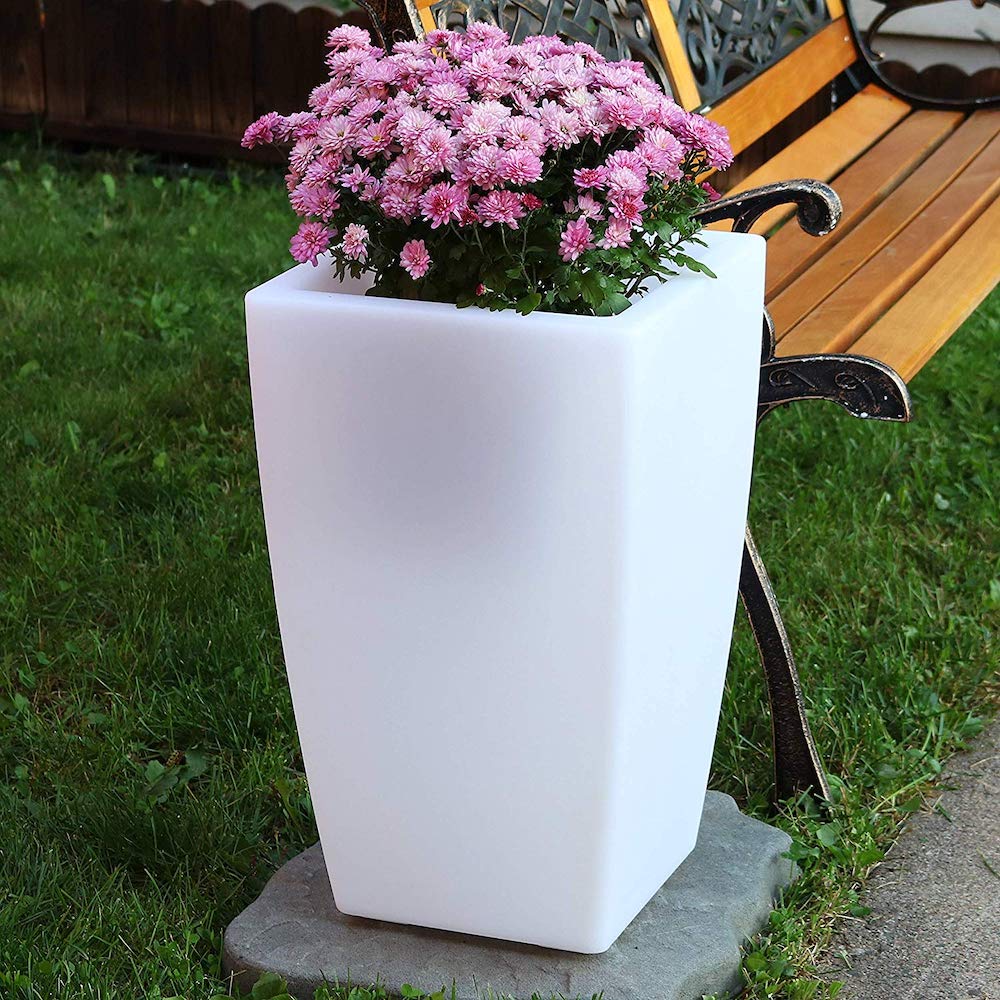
618	29
730	41
864	387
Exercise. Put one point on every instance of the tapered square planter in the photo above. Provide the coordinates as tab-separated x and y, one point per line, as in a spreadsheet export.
505	554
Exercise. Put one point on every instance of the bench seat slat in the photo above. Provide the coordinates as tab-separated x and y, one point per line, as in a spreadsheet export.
862	186
828	147
910	333
776	93
874	232
842	317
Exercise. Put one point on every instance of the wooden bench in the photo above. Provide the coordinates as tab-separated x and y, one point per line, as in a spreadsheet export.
910	245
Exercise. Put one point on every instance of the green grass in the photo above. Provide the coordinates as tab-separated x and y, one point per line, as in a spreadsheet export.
151	776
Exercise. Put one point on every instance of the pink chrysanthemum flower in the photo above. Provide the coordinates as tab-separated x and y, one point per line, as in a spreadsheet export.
627	206
523	133
662	153
617	234
337	101
355	242
373	139
436	149
623	111
363	111
622	180
323	170
482	124
589	207
576	238
518	166
355	178
263	131
320	201
312	239
302	155
300	125
562	127
483	166
590	177
335	134
503	207
713	195
446	97
414	259
412	124
347	36
442	203
700	133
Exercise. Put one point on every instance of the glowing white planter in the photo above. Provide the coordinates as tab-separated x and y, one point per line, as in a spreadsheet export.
505	554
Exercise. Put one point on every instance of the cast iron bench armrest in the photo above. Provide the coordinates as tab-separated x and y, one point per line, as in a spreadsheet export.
818	207
864	387
873	59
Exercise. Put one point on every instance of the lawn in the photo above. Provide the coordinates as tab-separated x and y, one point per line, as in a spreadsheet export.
151	776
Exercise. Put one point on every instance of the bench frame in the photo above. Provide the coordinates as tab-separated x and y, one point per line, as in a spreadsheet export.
863	386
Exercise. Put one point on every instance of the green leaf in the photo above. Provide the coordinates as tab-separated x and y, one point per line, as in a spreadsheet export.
73	433
869	856
828	834
110	187
617	303
693	265
29	368
269	987
529	303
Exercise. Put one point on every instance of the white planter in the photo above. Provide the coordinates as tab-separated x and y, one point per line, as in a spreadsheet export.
505	554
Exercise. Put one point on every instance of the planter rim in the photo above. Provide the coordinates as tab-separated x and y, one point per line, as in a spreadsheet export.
304	284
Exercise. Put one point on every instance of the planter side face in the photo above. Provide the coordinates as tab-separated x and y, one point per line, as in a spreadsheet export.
491	539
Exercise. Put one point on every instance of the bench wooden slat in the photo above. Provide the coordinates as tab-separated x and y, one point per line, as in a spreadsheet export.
776	93
862	186
828	147
668	41
867	238
909	334
841	319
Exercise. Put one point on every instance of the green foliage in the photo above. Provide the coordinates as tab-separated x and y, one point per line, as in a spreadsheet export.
522	269
150	779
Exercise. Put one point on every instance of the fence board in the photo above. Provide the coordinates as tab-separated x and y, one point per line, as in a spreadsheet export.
312	27
104	39
148	29
22	80
189	59
231	30
65	61
275	59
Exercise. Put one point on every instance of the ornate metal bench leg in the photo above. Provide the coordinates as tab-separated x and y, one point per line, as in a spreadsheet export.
797	766
867	389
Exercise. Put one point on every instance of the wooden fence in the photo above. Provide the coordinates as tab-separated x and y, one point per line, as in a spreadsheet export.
178	75
187	76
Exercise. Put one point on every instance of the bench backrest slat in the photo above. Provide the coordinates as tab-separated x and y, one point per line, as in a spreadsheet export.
771	97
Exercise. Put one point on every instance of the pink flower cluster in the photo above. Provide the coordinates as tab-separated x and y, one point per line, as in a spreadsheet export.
461	129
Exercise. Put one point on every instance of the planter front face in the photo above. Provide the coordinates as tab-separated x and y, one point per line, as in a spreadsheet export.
505	554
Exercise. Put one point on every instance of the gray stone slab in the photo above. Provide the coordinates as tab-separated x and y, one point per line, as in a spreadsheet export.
934	931
685	943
